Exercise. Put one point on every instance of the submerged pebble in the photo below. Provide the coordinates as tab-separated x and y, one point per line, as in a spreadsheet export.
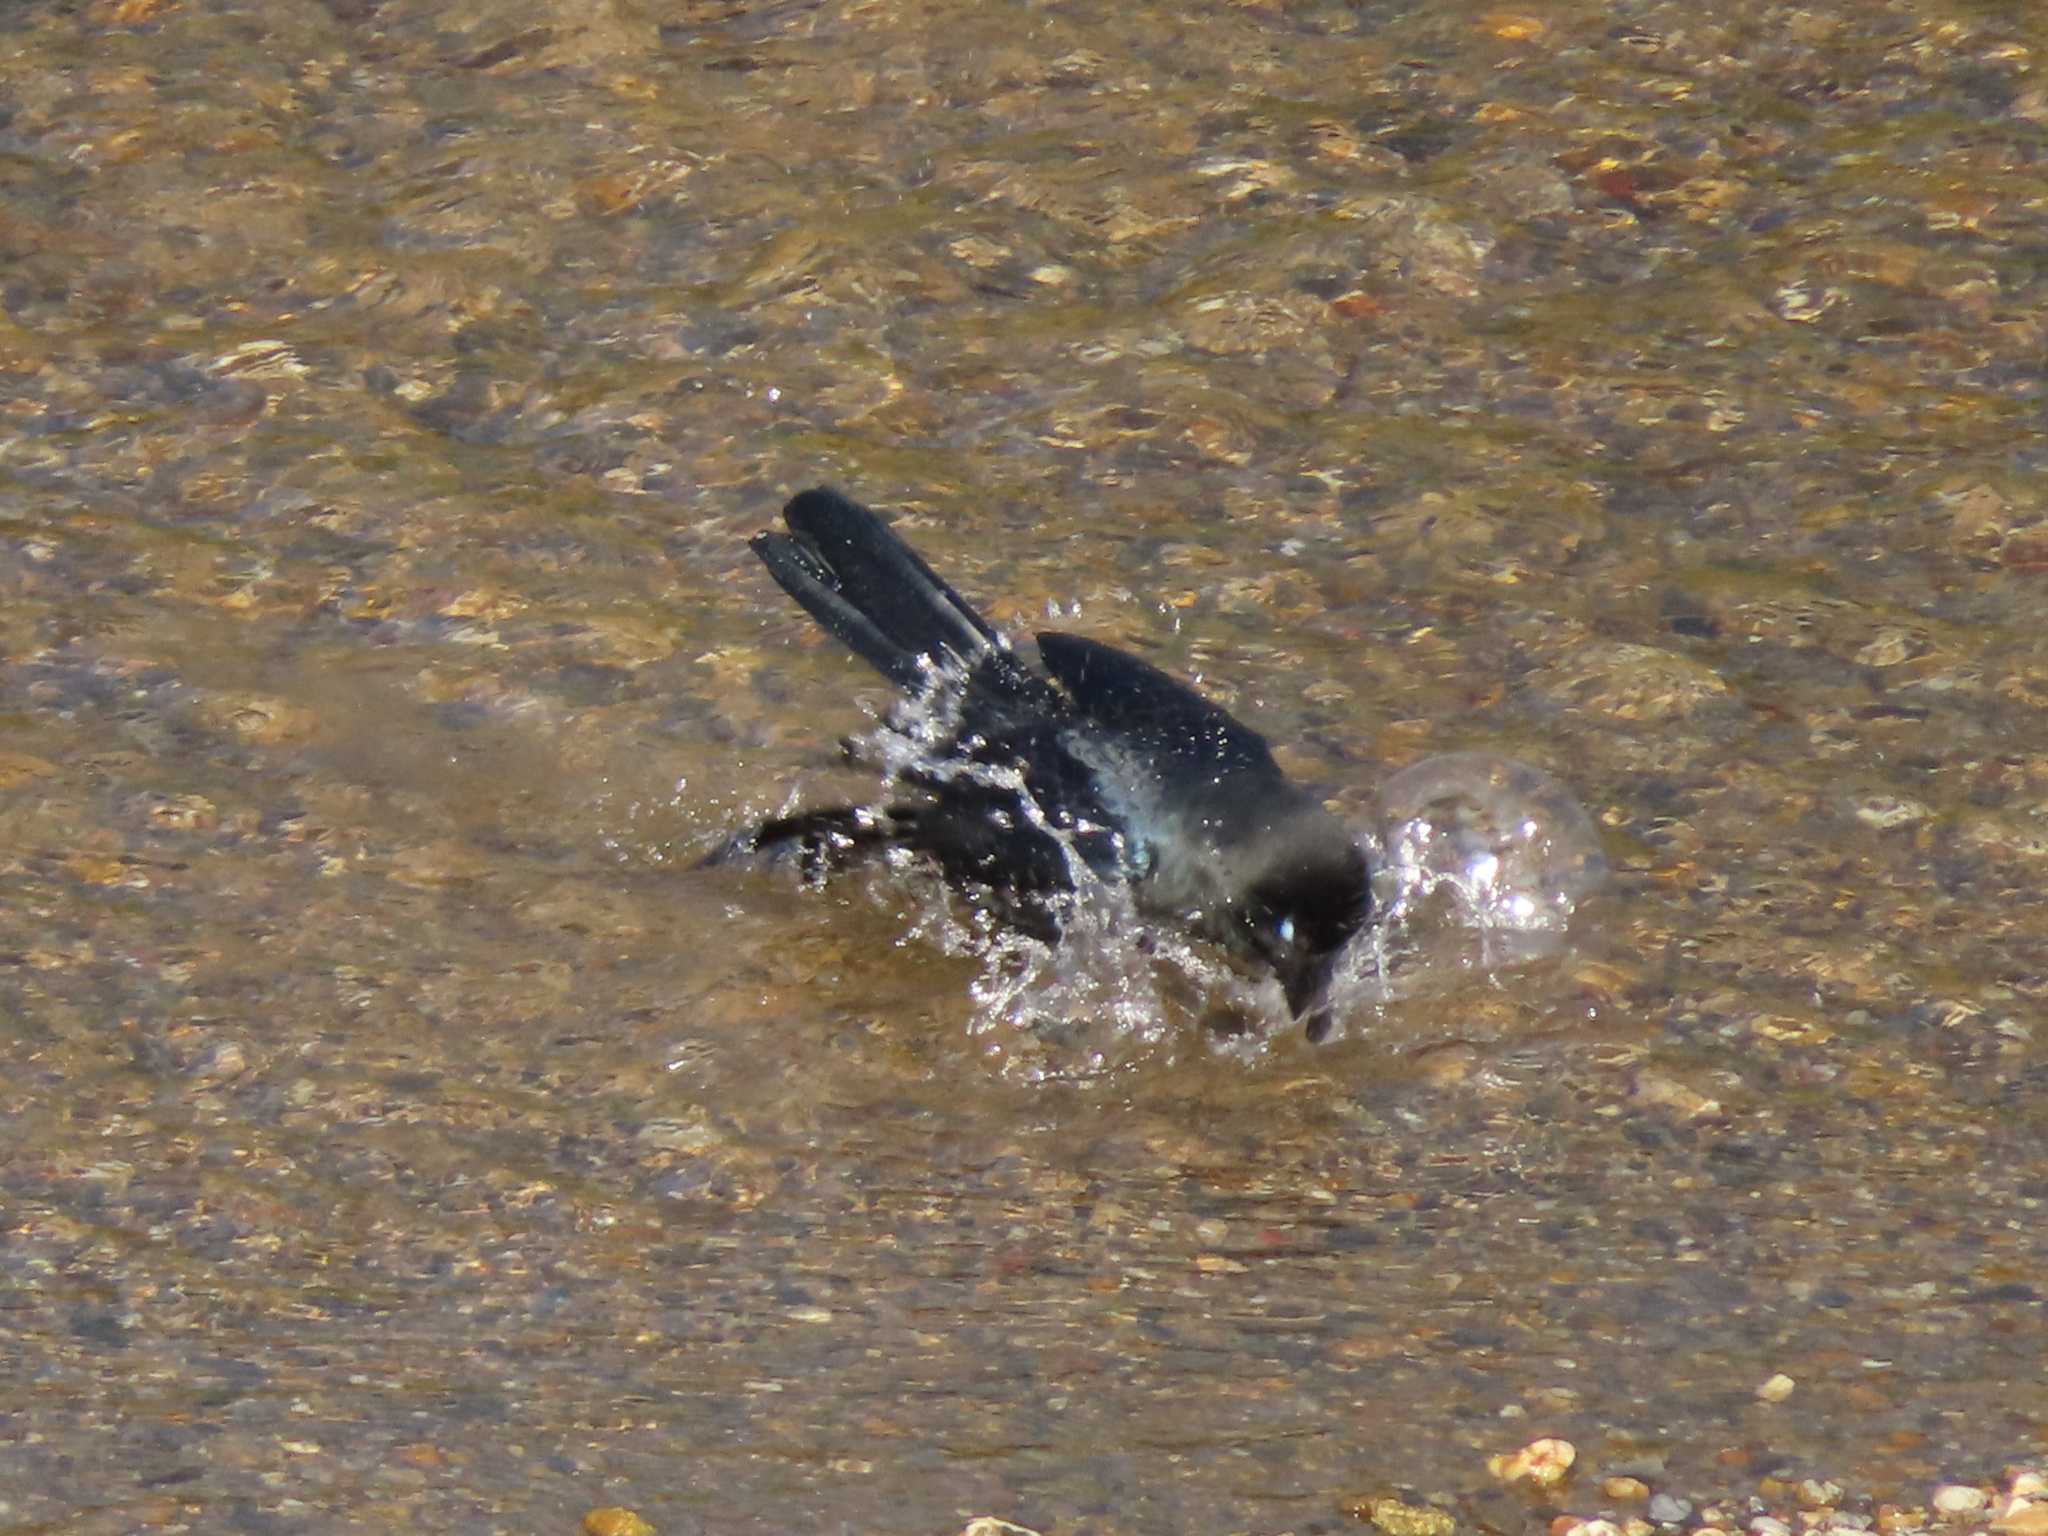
1959	1499
1541	1463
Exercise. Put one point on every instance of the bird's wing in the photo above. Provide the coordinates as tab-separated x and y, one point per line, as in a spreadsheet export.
1162	722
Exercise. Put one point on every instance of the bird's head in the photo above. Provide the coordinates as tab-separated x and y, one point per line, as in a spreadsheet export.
1298	915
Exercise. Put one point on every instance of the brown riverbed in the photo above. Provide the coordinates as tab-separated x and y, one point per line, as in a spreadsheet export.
396	1130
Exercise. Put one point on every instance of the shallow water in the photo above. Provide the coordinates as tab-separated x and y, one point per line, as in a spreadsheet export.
399	1130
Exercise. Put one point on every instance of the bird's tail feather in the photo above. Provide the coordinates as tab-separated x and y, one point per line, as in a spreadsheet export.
871	590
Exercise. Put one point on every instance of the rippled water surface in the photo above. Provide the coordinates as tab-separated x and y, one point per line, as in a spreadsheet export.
397	1129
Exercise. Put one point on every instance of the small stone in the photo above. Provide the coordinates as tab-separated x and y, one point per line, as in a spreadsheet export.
1884	811
225	1059
1666	1509
1769	1525
2022	1518
1959	1499
615	1522
1398	1519
1631	682
1624	1490
2028	1485
1777	1388
989	1525
185	813
1542	1463
691	1133
1653	1090
259	718
434	865
1514	26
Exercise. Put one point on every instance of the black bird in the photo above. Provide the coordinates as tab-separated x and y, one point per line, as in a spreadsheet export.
1142	778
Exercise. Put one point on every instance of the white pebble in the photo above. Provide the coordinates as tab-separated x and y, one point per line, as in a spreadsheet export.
1959	1499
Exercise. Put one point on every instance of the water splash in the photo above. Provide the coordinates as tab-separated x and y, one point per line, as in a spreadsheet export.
1118	987
1480	864
1483	861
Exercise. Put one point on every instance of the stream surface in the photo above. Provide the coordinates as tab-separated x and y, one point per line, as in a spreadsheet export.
397	1130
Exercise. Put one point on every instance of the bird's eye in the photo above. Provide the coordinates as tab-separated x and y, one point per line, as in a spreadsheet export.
1284	930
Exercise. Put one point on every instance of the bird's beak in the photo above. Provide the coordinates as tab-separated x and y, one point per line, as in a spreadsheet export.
1304	984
